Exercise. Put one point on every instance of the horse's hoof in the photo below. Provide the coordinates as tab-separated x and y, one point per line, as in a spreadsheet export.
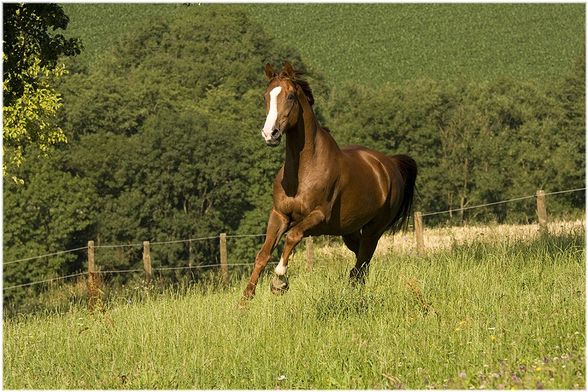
279	284
243	303
357	276
248	294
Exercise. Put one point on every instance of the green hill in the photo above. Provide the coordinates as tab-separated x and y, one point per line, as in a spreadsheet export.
379	43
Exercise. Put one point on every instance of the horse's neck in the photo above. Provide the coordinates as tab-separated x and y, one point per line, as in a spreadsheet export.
302	143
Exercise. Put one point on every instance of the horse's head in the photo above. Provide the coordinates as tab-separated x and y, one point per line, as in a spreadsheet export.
283	98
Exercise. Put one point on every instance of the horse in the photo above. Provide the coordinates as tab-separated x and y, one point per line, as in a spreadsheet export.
321	189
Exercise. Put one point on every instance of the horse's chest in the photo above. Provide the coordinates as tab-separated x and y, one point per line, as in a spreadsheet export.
299	206
295	207
297	198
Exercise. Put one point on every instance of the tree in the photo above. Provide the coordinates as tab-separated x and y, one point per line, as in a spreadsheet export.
167	129
30	58
474	142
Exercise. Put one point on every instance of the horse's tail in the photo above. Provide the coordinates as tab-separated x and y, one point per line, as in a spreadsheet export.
408	170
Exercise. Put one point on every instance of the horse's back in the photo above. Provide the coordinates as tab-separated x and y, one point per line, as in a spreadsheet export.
357	153
395	176
366	178
401	162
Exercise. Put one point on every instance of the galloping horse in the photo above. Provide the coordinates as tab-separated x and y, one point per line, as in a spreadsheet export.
354	192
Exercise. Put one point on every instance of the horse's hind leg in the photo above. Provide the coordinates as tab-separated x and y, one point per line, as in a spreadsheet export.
276	226
352	241
367	246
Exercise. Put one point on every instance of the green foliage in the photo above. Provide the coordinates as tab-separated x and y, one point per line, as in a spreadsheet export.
165	137
27	44
30	60
53	210
182	98
482	316
474	142
163	113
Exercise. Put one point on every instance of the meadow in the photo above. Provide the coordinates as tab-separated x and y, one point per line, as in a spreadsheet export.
507	313
373	44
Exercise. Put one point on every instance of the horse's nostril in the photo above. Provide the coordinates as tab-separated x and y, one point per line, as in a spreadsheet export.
275	133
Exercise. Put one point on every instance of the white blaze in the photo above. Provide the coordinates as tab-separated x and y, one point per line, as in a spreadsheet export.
281	268
272	115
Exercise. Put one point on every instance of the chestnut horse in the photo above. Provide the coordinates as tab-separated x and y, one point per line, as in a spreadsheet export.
353	192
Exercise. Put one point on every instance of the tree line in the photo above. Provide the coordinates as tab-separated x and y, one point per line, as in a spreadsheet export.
163	143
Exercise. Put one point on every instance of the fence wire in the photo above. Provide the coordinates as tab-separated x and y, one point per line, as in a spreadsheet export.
477	206
44	281
218	237
500	202
46	255
132	270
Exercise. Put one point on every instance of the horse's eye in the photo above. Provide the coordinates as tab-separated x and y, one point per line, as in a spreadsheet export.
291	96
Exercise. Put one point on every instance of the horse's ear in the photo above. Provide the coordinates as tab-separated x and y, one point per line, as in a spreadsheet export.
288	70
269	71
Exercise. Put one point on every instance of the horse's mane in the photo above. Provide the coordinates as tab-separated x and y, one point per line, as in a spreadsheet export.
297	79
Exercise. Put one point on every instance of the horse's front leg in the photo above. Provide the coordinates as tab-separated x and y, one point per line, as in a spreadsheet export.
276	226
279	283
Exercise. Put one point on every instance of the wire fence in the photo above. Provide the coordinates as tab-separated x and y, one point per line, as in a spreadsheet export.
208	238
500	202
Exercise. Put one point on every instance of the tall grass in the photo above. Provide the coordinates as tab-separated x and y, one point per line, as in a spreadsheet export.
484	315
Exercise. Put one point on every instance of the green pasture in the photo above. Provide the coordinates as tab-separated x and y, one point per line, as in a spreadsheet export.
504	315
377	43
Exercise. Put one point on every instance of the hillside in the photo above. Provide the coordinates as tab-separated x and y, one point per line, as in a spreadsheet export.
378	43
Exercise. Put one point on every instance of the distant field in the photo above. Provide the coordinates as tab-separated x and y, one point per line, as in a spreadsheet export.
379	43
498	315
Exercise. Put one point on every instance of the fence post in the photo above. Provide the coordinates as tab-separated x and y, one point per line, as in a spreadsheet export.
418	231
309	253
190	255
147	262
223	258
541	210
93	289
91	259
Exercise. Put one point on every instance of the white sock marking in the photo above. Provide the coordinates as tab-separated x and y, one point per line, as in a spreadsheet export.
281	268
272	115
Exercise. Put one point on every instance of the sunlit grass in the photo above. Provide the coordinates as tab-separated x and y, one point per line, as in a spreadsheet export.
485	315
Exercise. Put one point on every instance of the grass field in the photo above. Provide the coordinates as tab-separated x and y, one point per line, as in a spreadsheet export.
500	314
379	43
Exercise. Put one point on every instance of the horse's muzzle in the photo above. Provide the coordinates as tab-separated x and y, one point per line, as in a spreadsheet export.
273	142
274	139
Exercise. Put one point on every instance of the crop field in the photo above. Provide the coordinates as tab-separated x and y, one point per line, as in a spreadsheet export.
379	43
506	313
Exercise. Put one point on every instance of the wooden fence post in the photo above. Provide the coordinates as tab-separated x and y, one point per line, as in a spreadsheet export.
147	262
93	289
91	259
223	258
309	253
418	231
541	210
190	255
